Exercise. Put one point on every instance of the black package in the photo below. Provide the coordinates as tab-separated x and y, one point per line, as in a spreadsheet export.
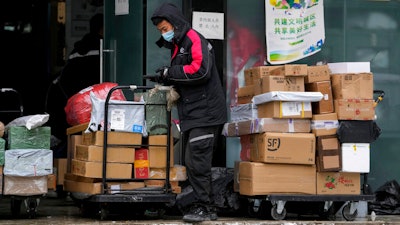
358	131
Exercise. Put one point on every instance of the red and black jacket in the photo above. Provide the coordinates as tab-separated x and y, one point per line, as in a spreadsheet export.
193	73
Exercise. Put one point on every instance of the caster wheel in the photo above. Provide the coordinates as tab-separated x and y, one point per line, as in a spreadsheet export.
277	216
103	213
32	207
346	213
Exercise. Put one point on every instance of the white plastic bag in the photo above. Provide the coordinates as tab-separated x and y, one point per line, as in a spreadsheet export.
125	116
30	122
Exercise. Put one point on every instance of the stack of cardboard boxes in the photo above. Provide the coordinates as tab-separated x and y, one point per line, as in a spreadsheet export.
289	136
133	161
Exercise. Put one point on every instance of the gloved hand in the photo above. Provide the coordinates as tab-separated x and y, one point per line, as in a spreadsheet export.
164	75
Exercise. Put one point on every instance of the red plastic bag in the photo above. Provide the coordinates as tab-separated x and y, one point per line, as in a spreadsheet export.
79	106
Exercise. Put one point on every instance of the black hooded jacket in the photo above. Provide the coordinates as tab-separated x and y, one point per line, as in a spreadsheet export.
193	73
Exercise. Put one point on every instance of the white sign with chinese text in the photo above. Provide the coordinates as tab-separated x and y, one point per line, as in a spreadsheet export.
121	7
294	29
209	24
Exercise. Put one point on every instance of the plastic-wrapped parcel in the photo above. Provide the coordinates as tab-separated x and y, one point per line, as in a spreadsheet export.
28	162
293	96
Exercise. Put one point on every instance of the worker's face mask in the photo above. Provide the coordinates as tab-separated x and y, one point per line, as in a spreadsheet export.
168	35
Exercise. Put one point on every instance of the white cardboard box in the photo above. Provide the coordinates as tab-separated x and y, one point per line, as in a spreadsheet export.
356	157
349	67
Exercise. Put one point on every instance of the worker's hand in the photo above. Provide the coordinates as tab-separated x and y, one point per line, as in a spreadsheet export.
164	74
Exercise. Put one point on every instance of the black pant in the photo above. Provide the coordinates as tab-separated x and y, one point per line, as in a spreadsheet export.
200	145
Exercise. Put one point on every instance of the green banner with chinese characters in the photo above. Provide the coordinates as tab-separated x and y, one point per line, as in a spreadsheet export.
294	29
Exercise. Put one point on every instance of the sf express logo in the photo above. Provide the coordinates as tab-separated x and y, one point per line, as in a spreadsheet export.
273	144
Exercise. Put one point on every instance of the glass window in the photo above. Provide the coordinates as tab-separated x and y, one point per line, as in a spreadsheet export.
355	30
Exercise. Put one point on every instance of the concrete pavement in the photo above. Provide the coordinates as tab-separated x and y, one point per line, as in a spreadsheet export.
65	211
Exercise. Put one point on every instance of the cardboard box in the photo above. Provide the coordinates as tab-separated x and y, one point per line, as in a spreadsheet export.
61	165
251	75
278	83
114	154
355	109
325	105
176	173
141	165
114	137
280	109
328	153
158	154
328	163
245	94
25	186
245	147
291	148
95	188
82	187
338	183
95	169
73	141
324	124
355	157
51	182
350	67
263	178
261	125
317	73
290	70
352	86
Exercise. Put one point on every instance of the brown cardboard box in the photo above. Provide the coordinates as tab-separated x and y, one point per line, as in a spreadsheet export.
355	109
95	188
338	183
114	154
176	173
51	182
324	124
73	142
328	153
278	83
114	137
245	94
261	125
325	105
25	186
352	85
263	178
95	169
290	70
317	73
290	148
328	163
82	187
158	154
61	165
280	109
252	74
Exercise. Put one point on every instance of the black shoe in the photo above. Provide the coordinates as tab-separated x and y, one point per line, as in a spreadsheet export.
213	213
197	214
